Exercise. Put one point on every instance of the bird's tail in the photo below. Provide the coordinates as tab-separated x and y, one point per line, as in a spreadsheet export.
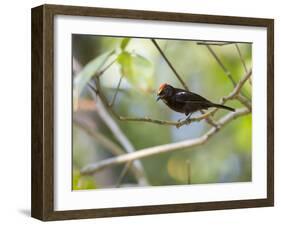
224	107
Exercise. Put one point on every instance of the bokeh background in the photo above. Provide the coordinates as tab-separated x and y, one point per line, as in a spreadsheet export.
226	157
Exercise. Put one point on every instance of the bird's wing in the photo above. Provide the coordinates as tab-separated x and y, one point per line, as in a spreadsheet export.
189	97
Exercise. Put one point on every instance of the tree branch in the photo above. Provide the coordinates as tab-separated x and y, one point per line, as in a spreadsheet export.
88	126
92	168
116	131
120	136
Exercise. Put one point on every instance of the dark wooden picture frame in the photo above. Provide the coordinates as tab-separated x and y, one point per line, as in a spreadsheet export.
42	203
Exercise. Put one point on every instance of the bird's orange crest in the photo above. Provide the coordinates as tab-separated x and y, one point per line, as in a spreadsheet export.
161	87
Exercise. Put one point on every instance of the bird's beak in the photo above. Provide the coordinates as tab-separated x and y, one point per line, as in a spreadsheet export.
158	98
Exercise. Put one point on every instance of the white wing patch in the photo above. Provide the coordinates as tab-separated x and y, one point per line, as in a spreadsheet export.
182	93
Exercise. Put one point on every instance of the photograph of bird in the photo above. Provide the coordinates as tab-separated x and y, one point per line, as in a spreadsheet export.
184	101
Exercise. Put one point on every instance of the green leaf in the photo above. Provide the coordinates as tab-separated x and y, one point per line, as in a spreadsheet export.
84	76
137	70
124	43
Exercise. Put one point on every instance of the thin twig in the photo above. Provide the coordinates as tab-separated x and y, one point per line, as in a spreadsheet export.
105	68
214	43
162	122
116	91
147	152
240	84
242	61
244	101
226	71
235	94
209	120
241	57
123	174
169	63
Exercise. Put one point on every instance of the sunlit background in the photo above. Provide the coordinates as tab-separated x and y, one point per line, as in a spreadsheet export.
226	157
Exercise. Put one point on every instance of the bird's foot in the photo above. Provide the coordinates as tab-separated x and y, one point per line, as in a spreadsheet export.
184	120
188	117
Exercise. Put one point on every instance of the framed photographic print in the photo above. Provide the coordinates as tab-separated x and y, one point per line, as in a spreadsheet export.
141	112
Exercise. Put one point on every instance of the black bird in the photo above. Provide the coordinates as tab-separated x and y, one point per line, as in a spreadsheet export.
183	101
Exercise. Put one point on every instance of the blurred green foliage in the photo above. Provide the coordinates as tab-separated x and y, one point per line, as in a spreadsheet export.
226	157
136	69
82	182
85	75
